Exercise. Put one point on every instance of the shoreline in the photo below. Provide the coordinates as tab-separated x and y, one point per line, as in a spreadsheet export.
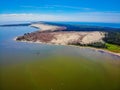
93	48
67	37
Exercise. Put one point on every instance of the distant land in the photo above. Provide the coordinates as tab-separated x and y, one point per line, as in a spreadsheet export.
8	25
69	27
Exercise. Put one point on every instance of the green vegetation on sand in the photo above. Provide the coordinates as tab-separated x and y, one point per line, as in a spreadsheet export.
113	48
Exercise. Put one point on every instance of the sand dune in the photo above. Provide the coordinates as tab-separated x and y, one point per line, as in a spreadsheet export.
67	38
63	38
46	27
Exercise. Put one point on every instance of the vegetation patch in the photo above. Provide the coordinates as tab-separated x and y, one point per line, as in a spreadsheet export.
112	38
98	45
113	48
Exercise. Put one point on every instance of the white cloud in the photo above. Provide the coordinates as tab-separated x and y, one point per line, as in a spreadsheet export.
26	17
56	6
83	17
35	7
70	7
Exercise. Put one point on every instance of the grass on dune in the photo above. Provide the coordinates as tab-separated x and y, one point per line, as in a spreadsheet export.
113	48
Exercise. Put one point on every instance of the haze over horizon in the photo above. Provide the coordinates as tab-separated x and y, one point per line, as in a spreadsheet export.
64	10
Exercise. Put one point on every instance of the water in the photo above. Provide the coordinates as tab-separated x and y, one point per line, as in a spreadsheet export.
28	66
113	25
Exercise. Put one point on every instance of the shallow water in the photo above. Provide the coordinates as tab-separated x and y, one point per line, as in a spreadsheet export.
28	66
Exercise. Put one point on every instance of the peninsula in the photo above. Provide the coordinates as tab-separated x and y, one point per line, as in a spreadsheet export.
58	35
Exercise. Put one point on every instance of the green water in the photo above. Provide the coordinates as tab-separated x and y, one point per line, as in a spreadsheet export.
27	66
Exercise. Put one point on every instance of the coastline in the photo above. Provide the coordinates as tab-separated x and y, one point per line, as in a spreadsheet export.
53	38
93	48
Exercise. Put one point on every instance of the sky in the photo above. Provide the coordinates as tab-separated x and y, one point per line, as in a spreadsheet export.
60	10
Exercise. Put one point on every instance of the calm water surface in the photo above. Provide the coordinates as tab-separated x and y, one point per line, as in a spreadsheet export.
28	66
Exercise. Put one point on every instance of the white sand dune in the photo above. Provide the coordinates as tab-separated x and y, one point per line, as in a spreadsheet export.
65	38
46	27
70	37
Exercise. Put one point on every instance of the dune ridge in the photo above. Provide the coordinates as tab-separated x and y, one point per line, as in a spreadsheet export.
46	34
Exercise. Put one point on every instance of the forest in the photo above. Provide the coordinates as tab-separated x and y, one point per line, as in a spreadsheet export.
112	38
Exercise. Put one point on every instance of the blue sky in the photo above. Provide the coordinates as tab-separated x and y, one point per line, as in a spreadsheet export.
61	10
